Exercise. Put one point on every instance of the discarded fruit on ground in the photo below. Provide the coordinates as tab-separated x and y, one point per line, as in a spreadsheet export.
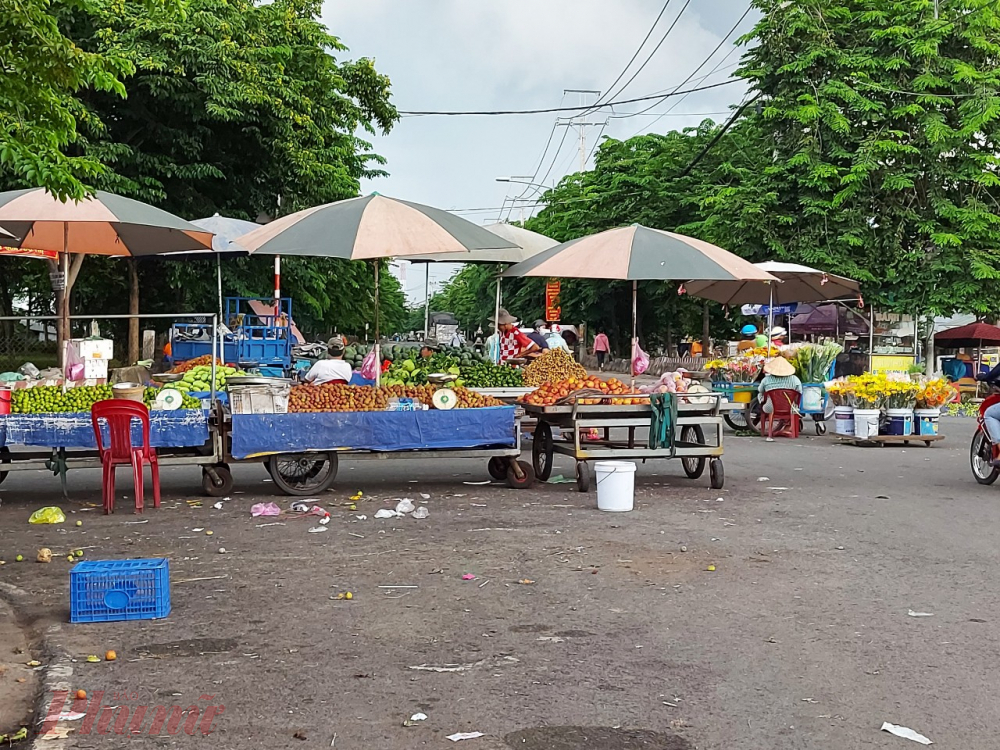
93	659
79	523
348	595
19	558
44	555
79	553
209	533
81	695
110	656
33	663
711	568
70	558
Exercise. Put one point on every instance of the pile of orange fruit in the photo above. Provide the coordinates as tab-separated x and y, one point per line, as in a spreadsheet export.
618	393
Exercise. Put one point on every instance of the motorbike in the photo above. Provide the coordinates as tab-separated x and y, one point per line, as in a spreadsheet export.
981	453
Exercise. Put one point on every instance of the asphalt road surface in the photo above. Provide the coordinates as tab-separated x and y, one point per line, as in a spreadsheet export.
581	629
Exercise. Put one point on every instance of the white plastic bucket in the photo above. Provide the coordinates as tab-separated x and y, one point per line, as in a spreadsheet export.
866	423
844	420
812	399
615	485
925	421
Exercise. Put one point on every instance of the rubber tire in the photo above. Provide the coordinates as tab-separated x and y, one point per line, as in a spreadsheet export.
327	475
520	484
582	476
693	467
497	467
737	420
717	474
541	451
979	444
211	489
5	459
821	428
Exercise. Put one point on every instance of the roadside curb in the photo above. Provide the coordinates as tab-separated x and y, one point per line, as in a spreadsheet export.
57	673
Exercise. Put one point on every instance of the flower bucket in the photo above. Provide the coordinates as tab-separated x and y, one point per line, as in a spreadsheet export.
900	422
925	421
843	420
866	423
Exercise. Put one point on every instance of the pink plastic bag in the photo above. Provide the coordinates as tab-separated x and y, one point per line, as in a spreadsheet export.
265	509
369	366
640	360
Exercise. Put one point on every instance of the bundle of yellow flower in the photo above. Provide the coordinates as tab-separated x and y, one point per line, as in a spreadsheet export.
840	392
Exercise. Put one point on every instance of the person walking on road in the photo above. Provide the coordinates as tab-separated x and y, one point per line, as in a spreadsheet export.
602	347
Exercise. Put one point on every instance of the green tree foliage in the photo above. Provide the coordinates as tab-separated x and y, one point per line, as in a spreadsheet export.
881	122
233	107
42	70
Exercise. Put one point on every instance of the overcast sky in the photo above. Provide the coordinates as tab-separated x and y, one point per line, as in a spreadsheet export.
522	54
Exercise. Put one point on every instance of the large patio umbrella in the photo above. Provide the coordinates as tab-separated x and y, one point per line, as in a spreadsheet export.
832	319
370	228
224	245
974	335
798	284
637	253
105	224
526	244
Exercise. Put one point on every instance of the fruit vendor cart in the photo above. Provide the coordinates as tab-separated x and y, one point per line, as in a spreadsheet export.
302	451
684	427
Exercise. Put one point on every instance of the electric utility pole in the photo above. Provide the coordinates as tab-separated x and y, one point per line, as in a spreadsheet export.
580	122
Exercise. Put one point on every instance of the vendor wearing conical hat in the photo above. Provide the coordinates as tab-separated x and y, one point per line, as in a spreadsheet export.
779	374
513	343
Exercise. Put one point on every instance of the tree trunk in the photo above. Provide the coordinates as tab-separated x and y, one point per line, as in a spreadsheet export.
133	309
706	340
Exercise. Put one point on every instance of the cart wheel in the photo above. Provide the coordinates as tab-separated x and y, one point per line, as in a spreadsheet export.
582	476
736	419
927	444
4	458
717	475
821	428
220	486
497	467
541	451
303	473
693	467
527	479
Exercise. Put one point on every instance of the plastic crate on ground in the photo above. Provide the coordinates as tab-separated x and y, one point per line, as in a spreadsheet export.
110	590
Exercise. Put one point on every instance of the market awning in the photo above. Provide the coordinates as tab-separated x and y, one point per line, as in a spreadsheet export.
970	336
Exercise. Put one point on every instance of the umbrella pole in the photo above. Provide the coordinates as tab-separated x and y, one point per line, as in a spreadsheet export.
218	278
496	315
277	288
378	353
427	300
770	315
635	338
871	337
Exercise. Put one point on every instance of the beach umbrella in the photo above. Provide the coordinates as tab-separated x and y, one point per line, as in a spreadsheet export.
525	244
798	284
225	231
104	224
370	228
637	253
969	336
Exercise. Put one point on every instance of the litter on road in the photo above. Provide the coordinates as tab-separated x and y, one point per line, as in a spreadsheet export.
905	733
911	613
465	736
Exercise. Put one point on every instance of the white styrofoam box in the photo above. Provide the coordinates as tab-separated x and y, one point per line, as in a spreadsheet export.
95	348
95	368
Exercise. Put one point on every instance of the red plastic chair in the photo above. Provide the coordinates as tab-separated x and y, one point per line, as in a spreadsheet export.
785	402
118	415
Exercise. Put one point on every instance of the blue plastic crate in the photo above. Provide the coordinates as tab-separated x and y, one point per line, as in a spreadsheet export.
110	590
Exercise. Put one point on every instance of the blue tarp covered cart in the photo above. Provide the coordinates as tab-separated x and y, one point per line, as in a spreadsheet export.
303	450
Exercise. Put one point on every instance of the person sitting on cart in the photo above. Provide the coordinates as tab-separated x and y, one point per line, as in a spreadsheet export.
749	333
333	369
779	374
513	343
538	336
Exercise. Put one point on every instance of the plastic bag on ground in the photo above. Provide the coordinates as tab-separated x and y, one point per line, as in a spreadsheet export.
265	509
50	514
421	512
404	506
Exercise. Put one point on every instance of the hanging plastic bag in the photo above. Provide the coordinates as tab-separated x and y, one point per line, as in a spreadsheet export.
640	360
493	348
51	514
369	367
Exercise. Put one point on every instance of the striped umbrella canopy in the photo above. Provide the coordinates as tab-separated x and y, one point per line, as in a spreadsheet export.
524	244
799	284
638	253
369	228
105	224
4	234
225	232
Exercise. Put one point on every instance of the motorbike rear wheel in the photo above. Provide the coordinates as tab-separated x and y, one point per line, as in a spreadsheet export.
981	459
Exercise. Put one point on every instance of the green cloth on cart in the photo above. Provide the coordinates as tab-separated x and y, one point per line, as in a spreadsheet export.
663	408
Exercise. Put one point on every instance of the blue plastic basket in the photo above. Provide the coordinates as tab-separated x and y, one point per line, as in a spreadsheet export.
109	590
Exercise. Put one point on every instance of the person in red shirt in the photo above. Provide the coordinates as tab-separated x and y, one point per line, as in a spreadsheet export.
513	343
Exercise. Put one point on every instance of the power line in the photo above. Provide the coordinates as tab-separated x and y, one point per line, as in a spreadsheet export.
718	135
655	50
580	108
637	51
